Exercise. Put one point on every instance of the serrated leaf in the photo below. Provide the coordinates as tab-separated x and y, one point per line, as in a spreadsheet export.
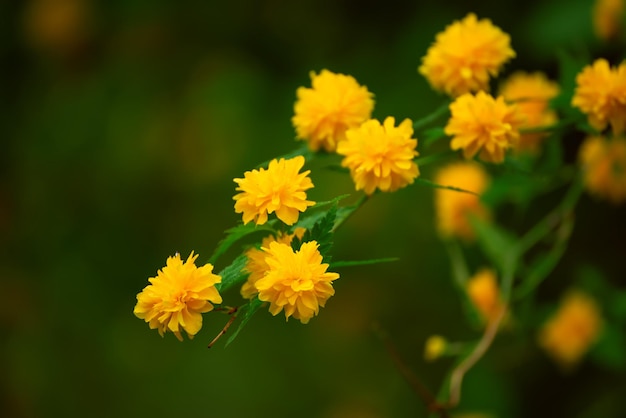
233	274
245	313
363	262
321	232
235	234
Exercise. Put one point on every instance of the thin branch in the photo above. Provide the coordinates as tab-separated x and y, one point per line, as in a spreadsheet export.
232	312
416	384
456	379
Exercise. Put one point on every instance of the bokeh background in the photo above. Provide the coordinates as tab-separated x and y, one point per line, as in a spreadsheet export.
123	123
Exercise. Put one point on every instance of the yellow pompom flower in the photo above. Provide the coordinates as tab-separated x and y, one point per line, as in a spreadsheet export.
177	297
601	94
335	103
572	329
453	208
380	156
280	189
297	281
465	55
480	123
531	93
256	264
607	18
484	293
435	347
604	167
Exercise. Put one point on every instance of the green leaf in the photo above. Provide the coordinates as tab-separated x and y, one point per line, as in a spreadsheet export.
610	350
233	274
431	136
235	234
498	244
441	186
322	232
363	262
245	313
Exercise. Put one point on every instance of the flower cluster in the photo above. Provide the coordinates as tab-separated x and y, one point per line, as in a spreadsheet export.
380	156
296	282
178	295
604	167
601	94
483	125
334	104
281	189
572	330
453	208
531	93
465	55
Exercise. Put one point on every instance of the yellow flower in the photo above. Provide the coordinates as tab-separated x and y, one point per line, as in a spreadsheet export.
604	167
601	94
531	93
465	55
335	103
484	292
177	297
380	156
572	330
453	208
482	123
607	18
280	188
435	347
297	282
257	266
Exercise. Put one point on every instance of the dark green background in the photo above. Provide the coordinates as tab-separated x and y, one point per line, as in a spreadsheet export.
119	146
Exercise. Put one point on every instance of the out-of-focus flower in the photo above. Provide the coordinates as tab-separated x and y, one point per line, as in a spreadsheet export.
484	293
480	124
572	330
601	94
465	55
531	93
454	208
178	296
296	282
604	167
380	156
257	266
281	189
607	18
335	103
435	347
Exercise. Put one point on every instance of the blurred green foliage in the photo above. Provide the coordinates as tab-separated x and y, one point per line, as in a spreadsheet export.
123	125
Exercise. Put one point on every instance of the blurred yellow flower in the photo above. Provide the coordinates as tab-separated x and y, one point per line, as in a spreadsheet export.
484	293
601	94
335	103
453	208
607	18
572	329
465	55
531	93
380	156
604	167
480	123
177	297
281	189
257	266
297	282
435	347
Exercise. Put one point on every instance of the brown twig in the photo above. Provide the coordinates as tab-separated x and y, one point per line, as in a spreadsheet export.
416	384
229	311
456	379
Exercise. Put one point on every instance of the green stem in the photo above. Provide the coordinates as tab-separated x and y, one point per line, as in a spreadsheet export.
428	119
